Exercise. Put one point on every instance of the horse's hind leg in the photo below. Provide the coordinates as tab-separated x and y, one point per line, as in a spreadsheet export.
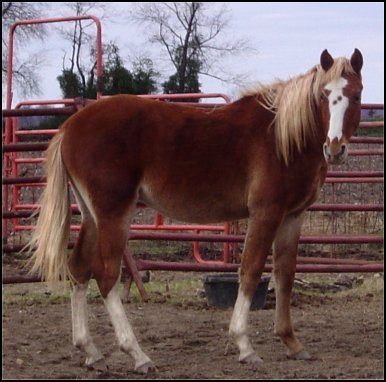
284	255
80	266
112	239
80	331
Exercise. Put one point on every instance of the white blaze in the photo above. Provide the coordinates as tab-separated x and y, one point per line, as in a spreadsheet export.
338	104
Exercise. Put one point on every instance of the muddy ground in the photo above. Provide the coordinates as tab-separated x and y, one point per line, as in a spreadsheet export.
186	339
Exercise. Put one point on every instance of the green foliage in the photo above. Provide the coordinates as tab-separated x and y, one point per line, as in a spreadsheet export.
144	80
116	79
70	84
185	80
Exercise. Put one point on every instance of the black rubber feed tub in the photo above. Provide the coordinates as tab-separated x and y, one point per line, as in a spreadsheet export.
221	290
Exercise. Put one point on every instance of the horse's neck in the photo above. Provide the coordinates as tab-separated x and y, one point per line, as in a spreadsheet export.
311	158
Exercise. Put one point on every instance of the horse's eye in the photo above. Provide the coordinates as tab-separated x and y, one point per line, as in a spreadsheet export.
324	94
356	98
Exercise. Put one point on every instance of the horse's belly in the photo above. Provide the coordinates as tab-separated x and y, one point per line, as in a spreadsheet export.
193	209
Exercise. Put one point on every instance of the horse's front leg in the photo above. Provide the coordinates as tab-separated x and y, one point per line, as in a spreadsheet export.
262	227
284	255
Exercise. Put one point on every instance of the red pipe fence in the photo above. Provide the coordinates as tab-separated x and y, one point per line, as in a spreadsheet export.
17	208
21	156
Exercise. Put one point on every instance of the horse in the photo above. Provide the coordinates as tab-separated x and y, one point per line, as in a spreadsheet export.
263	157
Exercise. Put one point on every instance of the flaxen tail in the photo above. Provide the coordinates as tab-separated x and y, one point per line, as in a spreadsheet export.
50	238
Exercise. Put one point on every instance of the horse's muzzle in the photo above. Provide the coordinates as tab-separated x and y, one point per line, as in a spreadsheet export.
335	155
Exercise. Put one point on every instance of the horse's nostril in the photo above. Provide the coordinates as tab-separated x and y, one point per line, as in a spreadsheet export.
342	150
325	151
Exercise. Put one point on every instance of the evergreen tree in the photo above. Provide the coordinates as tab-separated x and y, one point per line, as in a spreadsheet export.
186	79
70	84
116	78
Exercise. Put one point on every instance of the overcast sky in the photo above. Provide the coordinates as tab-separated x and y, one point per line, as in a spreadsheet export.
287	39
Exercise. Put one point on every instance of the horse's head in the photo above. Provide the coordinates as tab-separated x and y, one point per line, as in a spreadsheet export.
340	106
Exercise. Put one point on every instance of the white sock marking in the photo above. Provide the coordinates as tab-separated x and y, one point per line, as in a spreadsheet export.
123	330
239	323
80	332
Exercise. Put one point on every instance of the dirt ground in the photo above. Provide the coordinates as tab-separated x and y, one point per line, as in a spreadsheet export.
186	339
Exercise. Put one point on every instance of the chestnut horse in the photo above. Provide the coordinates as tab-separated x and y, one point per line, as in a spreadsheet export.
263	157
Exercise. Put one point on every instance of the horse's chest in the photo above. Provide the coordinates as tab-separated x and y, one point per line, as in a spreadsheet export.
306	192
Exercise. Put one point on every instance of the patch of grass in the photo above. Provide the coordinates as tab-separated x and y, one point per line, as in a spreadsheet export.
370	286
179	291
363	285
185	289
176	292
23	294
40	293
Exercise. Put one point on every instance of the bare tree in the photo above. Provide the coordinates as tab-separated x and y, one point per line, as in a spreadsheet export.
25	70
81	35
191	31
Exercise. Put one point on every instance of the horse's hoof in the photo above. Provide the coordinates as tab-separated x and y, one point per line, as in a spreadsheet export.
301	355
99	365
252	358
146	368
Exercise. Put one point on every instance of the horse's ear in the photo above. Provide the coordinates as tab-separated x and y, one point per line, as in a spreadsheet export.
326	60
357	61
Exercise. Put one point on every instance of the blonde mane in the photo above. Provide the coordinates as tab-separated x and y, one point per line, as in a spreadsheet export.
293	103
